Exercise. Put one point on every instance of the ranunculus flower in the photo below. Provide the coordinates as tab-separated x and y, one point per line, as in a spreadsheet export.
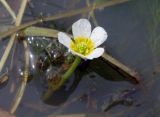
84	43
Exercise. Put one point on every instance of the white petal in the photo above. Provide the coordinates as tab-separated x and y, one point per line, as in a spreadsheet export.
82	27
64	39
96	53
78	54
98	35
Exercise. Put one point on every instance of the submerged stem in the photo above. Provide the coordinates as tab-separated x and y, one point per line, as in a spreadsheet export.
91	14
13	37
9	9
21	90
64	78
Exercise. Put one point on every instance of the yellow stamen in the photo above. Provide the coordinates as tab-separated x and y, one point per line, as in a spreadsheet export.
82	45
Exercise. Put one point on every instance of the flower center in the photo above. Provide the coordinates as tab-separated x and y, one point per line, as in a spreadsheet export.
82	45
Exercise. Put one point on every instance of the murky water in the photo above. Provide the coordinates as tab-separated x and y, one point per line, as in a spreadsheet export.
133	29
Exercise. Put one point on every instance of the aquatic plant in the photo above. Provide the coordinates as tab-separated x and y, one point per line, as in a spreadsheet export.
83	45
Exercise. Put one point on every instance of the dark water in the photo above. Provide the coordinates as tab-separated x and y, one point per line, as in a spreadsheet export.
133	29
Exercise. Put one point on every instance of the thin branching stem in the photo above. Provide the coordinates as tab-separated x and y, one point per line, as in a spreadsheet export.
21	89
13	53
62	15
91	14
10	11
12	39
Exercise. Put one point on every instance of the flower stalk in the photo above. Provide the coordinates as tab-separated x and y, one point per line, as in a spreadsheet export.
71	69
52	88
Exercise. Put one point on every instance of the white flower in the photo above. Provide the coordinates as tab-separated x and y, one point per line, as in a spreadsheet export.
85	42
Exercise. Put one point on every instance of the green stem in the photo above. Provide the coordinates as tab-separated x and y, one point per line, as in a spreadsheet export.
71	69
65	77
